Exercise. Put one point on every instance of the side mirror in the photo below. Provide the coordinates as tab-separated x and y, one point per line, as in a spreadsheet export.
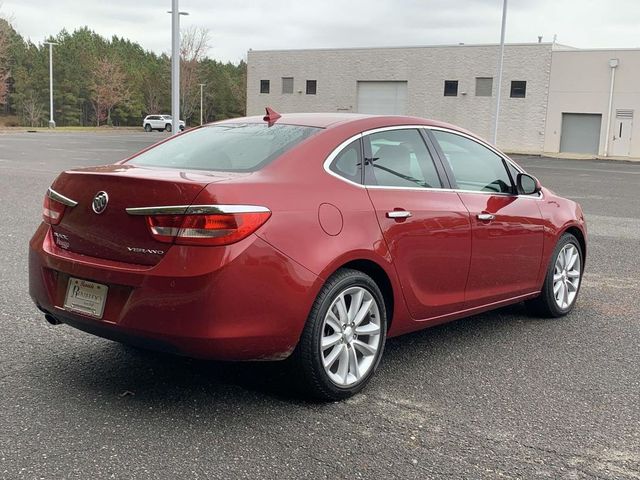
528	185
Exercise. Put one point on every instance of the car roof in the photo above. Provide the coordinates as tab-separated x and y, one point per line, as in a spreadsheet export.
333	120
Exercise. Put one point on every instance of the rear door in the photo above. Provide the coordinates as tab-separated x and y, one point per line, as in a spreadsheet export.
425	226
507	228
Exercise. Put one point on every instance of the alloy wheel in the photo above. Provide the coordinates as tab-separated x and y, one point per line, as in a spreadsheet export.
566	276
351	336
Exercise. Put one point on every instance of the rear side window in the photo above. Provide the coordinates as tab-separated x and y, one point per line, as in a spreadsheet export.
400	158
348	163
233	147
474	166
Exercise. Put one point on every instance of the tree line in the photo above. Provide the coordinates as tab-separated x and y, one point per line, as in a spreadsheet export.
114	81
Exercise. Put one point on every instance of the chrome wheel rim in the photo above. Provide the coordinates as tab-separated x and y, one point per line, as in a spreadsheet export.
566	276
351	336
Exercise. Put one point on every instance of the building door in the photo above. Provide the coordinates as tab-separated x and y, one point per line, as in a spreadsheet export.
621	144
382	98
580	133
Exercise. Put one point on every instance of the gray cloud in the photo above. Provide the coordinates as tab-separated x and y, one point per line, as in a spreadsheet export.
283	24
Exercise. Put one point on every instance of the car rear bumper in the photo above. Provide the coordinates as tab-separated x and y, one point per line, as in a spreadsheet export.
241	302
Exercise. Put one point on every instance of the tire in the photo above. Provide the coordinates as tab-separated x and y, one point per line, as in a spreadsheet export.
352	353
167	127
181	128
567	280
147	128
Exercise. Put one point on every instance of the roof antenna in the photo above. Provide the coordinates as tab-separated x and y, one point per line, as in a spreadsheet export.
271	116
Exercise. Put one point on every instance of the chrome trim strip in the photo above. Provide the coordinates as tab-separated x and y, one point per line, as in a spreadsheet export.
335	152
196	209
58	197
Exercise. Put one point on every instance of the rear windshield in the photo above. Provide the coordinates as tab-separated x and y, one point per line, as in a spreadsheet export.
232	147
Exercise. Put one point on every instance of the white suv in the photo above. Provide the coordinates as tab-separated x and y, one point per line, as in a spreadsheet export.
159	122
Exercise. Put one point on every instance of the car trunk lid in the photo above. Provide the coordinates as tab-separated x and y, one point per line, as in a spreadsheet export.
113	234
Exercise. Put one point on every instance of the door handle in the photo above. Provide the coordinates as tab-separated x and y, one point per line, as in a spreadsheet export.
398	214
486	217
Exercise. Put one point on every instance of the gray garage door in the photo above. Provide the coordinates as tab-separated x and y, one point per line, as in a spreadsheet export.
382	98
580	132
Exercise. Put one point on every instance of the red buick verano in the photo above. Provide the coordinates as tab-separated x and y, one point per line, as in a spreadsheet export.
310	236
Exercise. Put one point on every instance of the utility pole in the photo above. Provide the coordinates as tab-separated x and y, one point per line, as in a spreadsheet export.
52	123
201	85
175	66
500	66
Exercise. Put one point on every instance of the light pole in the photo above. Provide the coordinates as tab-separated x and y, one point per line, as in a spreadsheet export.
52	123
201	85
175	66
613	64
500	65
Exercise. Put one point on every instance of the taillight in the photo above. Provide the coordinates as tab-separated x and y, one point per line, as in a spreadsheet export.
52	210
205	229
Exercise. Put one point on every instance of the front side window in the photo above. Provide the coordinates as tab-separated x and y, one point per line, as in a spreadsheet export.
264	86
450	88
233	147
348	163
400	158
474	166
518	89
287	84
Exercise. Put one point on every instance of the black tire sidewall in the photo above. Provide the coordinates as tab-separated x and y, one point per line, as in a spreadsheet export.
321	382
167	127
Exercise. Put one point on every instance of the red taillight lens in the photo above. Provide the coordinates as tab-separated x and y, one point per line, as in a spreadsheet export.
52	211
209	229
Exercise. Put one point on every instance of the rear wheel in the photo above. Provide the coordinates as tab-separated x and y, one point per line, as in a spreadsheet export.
147	128
562	283
167	127
343	340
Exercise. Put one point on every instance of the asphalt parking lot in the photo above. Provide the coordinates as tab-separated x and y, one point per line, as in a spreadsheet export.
499	395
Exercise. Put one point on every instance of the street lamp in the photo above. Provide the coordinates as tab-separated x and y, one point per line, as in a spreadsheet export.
52	123
501	63
175	66
201	85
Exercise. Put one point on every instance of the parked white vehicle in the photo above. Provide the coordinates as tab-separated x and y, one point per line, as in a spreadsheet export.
159	122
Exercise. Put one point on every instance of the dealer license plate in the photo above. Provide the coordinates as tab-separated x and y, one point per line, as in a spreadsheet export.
85	297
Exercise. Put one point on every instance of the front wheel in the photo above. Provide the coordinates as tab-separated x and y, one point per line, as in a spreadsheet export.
343	340
562	283
147	128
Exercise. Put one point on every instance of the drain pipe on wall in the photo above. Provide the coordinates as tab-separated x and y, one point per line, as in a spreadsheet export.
613	63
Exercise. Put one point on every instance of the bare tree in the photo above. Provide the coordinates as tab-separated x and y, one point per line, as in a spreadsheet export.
108	89
152	97
32	109
194	45
5	36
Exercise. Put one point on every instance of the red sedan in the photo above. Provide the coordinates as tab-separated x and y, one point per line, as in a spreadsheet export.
309	236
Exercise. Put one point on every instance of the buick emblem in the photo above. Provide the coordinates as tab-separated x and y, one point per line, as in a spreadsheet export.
100	201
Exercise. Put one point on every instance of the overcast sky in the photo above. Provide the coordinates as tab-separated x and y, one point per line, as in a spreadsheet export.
238	25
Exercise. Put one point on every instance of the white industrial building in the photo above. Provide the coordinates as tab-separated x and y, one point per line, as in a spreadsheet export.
554	98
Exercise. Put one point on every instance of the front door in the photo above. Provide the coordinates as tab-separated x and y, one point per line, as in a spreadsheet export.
507	229
621	143
426	228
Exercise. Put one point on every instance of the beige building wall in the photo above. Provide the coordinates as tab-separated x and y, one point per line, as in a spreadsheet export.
337	71
580	83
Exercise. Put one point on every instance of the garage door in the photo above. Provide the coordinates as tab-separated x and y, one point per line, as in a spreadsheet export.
580	133
382	98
